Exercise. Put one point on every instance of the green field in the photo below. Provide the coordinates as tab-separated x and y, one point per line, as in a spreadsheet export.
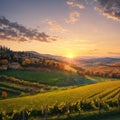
57	78
100	79
105	90
54	78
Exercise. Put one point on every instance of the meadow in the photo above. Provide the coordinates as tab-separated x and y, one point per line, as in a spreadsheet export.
50	77
54	78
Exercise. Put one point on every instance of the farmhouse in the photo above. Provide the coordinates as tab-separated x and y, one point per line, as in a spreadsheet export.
34	60
14	65
4	67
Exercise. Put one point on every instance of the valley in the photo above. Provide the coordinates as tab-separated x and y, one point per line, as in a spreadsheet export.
33	83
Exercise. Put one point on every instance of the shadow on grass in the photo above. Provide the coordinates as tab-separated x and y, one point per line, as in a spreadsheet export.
111	115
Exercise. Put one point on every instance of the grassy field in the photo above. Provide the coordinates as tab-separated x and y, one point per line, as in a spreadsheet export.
57	78
105	90
54	78
100	79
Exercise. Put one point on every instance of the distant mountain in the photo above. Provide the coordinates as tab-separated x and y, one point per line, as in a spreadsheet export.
33	52
85	62
60	58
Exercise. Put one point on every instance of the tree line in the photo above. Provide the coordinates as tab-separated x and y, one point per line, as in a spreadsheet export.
27	59
109	72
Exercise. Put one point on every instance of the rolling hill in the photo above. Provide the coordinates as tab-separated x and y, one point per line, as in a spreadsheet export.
87	62
49	77
107	91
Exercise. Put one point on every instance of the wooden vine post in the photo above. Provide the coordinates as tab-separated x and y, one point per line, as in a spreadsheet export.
24	115
99	105
118	101
0	115
46	112
68	109
79	107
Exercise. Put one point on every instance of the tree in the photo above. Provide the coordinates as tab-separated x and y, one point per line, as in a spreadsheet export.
4	94
26	62
32	90
4	62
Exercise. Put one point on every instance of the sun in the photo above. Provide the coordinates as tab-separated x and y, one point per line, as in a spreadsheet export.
70	56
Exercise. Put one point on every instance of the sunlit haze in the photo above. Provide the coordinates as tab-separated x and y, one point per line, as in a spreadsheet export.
61	27
70	56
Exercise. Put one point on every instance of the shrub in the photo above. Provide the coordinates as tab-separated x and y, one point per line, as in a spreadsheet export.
4	94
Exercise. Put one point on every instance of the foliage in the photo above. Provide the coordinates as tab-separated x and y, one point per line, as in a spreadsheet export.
104	71
56	109
3	62
4	94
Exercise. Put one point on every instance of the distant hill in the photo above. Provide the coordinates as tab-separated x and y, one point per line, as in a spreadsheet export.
91	62
46	55
17	56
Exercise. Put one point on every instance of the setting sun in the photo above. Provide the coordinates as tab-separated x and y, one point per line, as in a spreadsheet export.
70	56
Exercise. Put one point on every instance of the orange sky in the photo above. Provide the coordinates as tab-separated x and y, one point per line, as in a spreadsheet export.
78	28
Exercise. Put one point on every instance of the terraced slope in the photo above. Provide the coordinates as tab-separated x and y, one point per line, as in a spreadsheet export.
14	87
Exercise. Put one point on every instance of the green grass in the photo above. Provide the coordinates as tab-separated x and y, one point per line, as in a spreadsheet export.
71	95
57	78
99	79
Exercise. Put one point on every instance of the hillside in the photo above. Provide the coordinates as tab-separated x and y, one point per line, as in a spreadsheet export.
49	77
54	78
88	62
16	87
33	61
108	91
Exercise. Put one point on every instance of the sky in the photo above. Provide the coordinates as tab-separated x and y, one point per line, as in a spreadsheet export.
61	27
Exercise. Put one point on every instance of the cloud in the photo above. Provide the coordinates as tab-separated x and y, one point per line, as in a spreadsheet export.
109	8
55	27
114	53
15	32
73	17
74	3
93	51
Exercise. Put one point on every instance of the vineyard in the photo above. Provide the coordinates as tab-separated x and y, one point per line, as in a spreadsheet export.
101	97
16	87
